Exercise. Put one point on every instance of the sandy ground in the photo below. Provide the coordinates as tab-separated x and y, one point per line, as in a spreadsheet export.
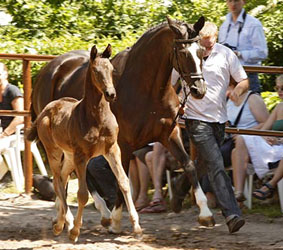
25	223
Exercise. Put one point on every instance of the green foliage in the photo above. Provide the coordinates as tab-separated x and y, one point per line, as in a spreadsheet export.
54	27
271	99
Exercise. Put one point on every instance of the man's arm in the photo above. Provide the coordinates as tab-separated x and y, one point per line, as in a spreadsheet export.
240	89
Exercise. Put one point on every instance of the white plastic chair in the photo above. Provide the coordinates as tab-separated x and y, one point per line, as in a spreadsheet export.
12	153
248	191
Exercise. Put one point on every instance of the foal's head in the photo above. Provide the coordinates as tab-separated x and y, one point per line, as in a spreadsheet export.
101	72
188	55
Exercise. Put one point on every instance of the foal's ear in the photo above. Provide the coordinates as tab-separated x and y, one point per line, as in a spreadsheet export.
199	24
93	53
107	52
175	27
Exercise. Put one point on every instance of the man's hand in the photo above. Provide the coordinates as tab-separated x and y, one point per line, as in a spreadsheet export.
233	95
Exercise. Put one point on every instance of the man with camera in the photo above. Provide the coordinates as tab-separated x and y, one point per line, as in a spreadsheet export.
245	36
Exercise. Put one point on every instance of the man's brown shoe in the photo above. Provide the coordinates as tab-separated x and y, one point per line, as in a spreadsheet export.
235	224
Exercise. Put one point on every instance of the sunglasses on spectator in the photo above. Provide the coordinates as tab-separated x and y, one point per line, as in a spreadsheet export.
278	88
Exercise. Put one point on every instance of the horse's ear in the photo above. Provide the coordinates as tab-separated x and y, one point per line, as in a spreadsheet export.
174	27
199	24
107	52
93	53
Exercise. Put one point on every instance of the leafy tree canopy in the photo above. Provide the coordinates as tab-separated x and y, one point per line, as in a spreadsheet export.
56	26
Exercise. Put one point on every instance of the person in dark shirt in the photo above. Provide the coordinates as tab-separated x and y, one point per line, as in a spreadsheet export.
11	98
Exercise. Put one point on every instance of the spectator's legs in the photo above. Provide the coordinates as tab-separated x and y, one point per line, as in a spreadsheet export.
134	179
278	174
142	199
158	166
240	159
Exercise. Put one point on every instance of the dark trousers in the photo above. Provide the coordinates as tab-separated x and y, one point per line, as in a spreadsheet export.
207	138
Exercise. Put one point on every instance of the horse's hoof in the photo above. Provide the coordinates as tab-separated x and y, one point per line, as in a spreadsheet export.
73	236
206	221
105	222
138	236
57	230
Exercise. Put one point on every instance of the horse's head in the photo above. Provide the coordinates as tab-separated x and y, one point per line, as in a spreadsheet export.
188	55
101	72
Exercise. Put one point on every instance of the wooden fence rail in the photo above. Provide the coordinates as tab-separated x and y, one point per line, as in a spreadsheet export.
26	59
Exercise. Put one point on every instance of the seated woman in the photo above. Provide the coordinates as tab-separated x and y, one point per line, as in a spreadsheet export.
267	190
11	98
259	150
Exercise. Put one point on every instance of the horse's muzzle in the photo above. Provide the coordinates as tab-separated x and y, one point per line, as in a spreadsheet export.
198	89
110	94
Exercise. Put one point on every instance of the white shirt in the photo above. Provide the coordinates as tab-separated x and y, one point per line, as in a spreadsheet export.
250	42
217	69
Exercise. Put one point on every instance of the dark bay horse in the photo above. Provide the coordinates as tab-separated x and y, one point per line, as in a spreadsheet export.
76	131
146	104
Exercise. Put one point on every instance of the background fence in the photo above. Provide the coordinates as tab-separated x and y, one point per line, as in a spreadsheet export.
27	59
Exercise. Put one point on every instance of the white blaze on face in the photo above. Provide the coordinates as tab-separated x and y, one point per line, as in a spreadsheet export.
193	49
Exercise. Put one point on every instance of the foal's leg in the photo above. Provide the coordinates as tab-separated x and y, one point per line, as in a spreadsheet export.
54	158
82	194
176	147
114	159
67	168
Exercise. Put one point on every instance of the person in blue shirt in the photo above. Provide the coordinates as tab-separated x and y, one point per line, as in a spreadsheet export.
245	36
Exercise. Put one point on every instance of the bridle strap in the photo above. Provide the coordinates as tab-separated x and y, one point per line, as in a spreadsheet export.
182	75
185	41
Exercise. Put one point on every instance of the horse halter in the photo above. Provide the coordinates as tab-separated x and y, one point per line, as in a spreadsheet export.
193	76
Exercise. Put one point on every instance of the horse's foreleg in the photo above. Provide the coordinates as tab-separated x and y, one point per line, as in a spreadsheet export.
176	147
114	159
99	202
82	195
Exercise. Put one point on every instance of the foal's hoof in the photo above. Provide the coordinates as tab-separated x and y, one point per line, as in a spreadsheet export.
112	230
138	236
206	221
73	236
105	222
57	229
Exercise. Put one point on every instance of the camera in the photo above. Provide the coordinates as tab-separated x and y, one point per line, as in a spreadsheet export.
233	48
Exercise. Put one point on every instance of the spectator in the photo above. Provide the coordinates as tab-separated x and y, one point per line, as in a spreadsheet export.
259	150
267	190
245	36
156	162
11	98
205	123
140	177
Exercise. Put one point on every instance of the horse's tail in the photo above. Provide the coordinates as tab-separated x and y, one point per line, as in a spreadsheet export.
31	133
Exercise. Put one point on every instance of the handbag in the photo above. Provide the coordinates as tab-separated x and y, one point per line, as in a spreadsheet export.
228	144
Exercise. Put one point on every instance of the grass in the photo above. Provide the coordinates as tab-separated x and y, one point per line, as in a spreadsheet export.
271	210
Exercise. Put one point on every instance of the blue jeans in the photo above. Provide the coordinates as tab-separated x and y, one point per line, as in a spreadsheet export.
207	138
254	82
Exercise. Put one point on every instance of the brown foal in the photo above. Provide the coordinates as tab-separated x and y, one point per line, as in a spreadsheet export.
74	131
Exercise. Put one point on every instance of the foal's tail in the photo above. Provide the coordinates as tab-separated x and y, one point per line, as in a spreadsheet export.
31	133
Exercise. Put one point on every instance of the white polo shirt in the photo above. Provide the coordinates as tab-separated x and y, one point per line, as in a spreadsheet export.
217	69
